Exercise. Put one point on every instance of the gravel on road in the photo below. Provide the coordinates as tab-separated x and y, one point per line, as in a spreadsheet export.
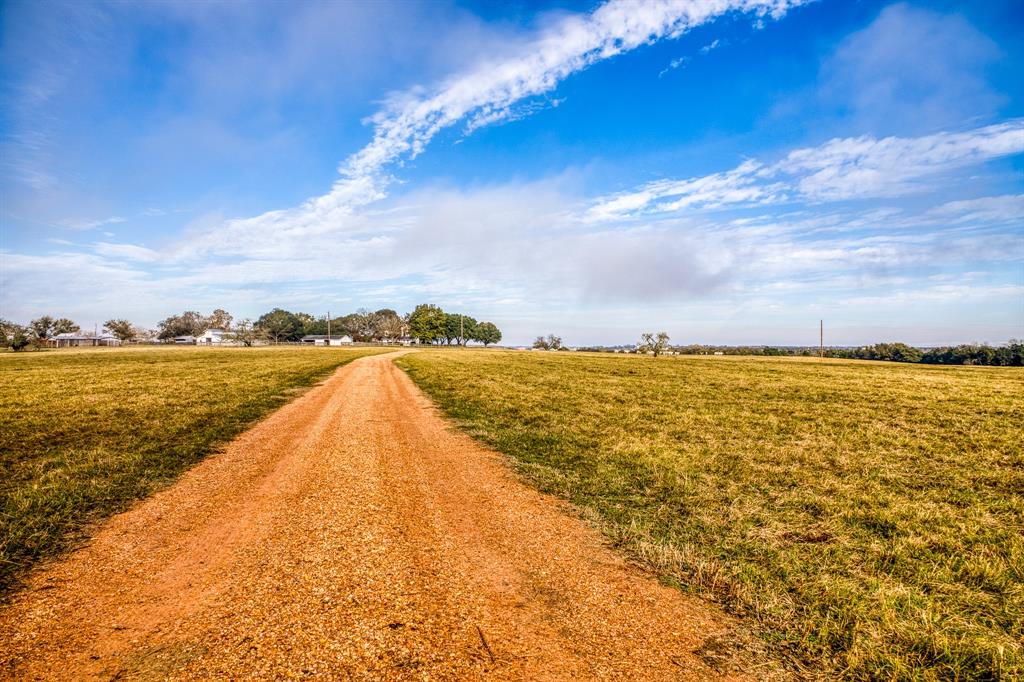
353	534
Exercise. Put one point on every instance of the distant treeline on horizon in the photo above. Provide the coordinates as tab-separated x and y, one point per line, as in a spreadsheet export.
427	324
1010	354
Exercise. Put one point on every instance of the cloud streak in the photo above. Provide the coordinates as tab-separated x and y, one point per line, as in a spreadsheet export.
409	122
484	95
841	169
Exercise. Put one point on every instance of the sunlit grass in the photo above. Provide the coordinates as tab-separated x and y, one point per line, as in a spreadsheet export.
84	433
866	517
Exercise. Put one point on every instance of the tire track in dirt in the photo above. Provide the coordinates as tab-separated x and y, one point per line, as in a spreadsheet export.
352	534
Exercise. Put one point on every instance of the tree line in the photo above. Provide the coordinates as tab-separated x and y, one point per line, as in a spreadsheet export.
426	323
650	344
36	332
1010	354
430	324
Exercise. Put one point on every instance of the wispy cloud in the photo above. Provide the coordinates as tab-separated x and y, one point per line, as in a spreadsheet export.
484	95
411	120
711	46
990	210
129	252
80	224
841	169
673	65
510	114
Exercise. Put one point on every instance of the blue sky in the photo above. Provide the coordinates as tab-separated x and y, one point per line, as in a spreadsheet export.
730	171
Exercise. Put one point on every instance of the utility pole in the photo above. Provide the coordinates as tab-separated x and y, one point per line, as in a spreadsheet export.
462	331
821	338
328	327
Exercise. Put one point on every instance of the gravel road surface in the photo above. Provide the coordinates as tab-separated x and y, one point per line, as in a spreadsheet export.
353	534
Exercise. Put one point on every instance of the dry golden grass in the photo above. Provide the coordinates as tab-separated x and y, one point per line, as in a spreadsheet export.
867	518
83	433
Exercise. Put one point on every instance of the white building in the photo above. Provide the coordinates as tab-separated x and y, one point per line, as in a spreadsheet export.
323	340
212	337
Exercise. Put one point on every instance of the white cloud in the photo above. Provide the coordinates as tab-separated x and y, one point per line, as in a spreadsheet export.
999	209
674	64
485	95
841	169
941	293
867	167
84	224
490	116
710	46
411	120
126	251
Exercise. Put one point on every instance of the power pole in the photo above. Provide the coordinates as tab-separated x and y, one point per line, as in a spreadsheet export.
328	327
821	338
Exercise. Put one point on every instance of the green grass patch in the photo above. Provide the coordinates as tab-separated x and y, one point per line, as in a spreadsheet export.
84	433
867	518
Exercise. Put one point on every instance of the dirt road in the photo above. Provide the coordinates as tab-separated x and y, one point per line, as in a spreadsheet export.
353	534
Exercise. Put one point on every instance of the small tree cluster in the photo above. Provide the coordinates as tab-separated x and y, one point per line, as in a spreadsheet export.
124	330
37	333
14	336
381	326
46	327
245	333
654	344
552	342
192	323
430	324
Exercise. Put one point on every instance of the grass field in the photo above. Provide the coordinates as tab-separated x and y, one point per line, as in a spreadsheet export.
866	518
84	433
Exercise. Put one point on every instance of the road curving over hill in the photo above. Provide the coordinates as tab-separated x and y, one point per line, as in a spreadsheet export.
353	534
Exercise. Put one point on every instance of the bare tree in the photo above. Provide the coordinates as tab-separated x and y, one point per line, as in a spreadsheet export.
552	342
655	344
219	319
388	326
245	333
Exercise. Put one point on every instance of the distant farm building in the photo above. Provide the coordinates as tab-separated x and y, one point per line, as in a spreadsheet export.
212	337
76	340
187	340
324	340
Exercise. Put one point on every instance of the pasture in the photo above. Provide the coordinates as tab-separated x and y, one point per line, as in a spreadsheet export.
84	433
867	519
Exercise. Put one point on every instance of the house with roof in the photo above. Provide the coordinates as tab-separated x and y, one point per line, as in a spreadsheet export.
324	340
79	340
213	337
